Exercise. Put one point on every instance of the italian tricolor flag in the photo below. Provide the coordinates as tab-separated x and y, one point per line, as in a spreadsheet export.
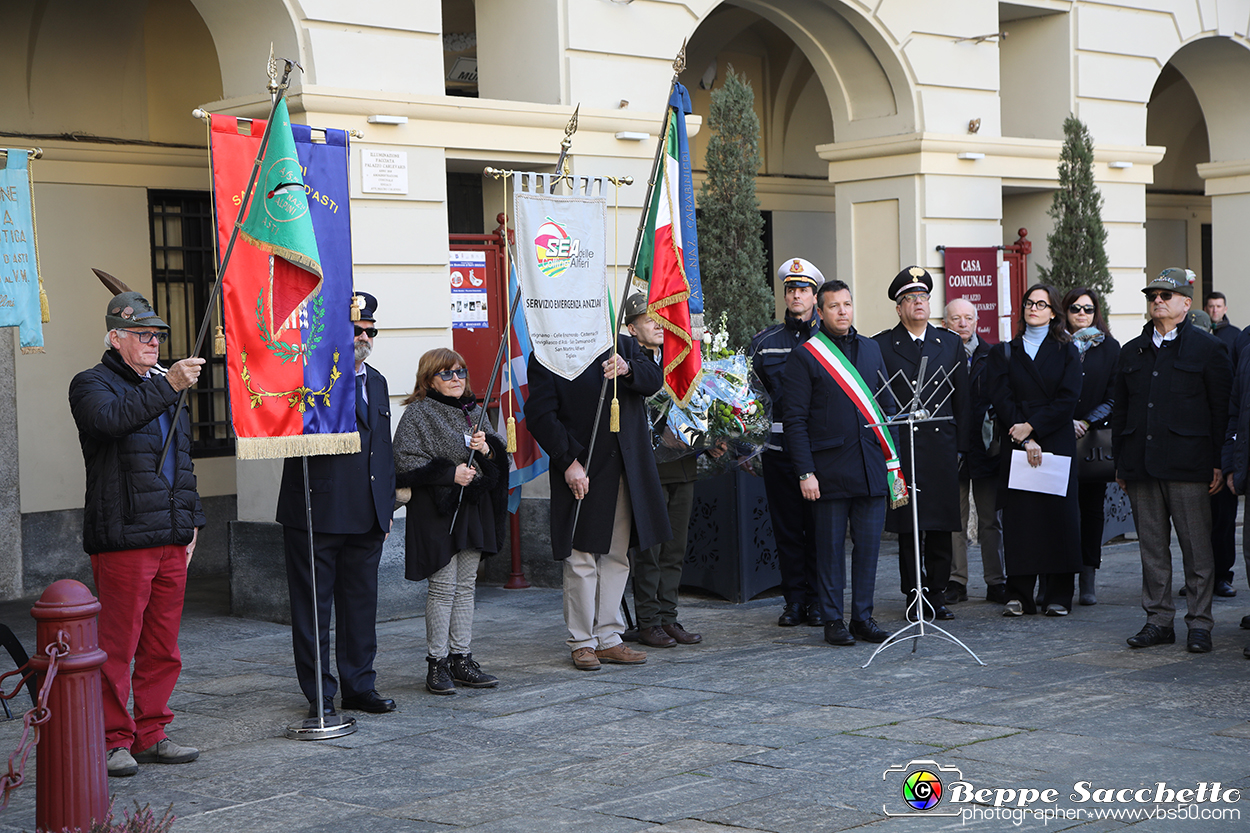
661	264
834	361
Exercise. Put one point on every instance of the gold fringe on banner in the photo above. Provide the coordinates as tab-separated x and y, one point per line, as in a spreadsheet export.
45	313
269	448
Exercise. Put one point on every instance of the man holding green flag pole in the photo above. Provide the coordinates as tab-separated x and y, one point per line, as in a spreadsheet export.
845	457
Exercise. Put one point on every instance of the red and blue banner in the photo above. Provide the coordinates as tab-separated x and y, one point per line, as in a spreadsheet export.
529	460
290	364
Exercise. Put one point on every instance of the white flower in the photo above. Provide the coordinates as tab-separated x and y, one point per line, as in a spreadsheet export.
707	337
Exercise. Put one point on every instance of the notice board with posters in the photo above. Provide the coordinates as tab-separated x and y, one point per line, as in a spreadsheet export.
972	274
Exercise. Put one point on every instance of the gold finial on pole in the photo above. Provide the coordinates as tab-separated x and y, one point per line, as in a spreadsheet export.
679	63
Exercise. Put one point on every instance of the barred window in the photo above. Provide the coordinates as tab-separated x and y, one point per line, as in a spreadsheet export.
184	268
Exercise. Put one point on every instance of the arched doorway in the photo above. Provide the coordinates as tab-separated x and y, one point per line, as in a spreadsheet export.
1198	206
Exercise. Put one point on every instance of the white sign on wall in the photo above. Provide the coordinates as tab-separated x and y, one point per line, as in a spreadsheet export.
384	171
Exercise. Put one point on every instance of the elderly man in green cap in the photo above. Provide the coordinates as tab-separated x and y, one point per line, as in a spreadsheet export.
140	524
1167	425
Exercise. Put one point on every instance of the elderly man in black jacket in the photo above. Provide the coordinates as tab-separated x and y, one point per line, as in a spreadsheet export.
618	487
140	525
1168	425
978	471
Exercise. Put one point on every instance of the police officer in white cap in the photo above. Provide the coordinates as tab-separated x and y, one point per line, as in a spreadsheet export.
793	526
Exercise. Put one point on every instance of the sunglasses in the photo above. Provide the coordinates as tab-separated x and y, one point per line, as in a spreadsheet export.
372	332
145	337
1162	295
458	373
1077	309
1031	304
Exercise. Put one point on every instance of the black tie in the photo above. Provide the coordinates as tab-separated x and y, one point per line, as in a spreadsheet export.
362	412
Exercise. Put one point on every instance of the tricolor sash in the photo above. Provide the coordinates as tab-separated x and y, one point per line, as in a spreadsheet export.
835	362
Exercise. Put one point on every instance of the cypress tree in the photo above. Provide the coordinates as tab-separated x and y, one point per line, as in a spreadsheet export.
1077	246
731	254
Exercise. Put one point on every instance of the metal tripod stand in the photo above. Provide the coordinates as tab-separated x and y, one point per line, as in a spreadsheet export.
918	411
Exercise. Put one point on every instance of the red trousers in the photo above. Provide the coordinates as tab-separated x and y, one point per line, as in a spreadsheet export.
141	594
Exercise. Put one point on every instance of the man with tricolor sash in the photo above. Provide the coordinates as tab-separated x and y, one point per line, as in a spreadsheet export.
847	463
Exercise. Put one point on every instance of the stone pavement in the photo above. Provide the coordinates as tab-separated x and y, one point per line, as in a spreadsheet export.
759	729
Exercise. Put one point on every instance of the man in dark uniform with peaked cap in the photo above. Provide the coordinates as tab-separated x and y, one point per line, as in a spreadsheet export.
793	523
939	444
352	499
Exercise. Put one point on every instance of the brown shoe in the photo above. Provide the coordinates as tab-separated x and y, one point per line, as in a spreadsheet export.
682	635
585	659
656	637
621	654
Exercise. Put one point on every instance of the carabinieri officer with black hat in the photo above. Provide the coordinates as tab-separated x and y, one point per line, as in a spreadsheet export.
939	444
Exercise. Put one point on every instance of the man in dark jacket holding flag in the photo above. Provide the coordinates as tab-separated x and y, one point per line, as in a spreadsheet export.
141	519
846	469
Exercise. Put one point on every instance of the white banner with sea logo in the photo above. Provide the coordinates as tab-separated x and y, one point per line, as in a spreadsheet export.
563	272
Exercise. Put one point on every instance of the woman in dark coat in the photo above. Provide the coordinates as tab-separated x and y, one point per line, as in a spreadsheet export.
1034	383
1099	354
432	457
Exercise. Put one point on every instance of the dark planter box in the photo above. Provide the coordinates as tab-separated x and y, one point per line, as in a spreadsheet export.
730	549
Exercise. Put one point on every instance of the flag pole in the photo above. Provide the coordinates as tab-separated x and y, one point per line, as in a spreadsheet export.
277	89
679	65
495	173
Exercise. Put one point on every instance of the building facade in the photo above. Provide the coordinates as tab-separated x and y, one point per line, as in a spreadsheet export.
888	128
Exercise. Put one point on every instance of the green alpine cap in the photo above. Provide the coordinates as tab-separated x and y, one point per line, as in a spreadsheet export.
130	309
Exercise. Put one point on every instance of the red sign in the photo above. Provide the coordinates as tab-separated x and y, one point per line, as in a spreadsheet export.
972	274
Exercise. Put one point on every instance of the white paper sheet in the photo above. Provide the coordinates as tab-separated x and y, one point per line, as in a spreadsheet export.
1050	478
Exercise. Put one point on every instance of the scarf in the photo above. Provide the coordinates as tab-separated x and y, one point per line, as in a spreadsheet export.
434	428
970	346
1087	338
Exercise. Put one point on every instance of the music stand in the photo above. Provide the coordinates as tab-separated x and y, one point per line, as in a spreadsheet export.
918	412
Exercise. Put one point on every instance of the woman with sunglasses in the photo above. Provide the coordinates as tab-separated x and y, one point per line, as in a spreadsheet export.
437	452
1099	354
1034	383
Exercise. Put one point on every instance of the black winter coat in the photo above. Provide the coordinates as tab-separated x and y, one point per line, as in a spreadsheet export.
128	503
1171	406
768	352
561	413
1236	456
481	523
1098	381
937	443
979	463
1041	533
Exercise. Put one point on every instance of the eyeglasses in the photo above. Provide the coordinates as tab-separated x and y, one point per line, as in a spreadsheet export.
458	373
372	332
1031	304
913	298
1162	295
1077	309
146	336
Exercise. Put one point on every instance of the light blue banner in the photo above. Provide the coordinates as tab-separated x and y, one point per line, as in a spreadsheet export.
19	268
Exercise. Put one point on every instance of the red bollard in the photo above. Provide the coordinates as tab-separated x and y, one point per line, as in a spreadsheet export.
71	780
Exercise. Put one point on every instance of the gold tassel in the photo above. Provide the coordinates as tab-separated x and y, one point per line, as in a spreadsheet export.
511	446
219	342
355	309
44	312
614	424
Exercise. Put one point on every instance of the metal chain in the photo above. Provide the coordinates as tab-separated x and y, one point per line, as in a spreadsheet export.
34	718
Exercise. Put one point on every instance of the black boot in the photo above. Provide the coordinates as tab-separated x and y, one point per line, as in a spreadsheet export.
465	670
1088	595
438	678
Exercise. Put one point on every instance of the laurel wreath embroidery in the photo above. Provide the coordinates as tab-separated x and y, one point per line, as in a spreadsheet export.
284	350
303	397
